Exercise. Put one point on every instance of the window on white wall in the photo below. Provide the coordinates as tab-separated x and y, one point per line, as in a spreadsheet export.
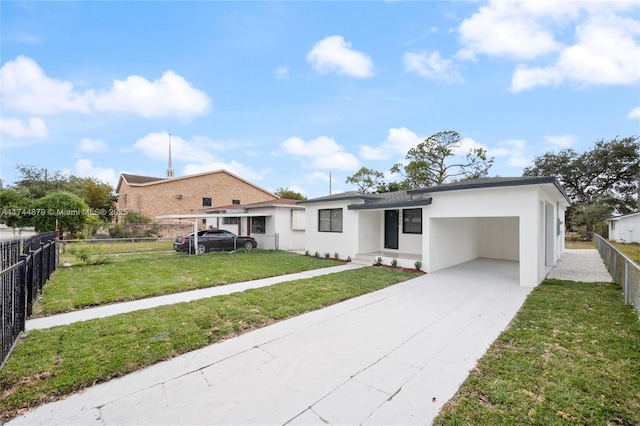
613	225
412	221
258	225
229	220
330	220
297	220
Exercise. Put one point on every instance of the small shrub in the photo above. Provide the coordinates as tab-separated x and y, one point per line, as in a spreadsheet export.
348	258
418	264
335	256
327	255
306	252
379	261
394	262
316	254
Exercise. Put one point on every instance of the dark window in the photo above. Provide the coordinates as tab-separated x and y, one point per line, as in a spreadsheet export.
235	202
229	220
206	202
412	221
204	221
258	225
330	220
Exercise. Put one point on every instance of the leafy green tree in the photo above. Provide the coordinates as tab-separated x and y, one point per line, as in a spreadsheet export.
37	182
289	194
608	173
12	204
99	196
435	161
66	208
366	179
392	187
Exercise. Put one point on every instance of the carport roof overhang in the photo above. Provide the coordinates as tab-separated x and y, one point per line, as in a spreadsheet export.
390	204
208	216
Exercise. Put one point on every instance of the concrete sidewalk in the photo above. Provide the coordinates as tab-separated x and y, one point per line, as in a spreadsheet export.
394	356
170	299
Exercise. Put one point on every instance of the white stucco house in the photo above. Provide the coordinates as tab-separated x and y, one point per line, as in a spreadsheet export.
625	228
518	219
275	224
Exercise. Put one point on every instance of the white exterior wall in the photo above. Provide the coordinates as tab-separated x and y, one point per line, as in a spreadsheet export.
371	224
502	222
627	229
345	243
288	239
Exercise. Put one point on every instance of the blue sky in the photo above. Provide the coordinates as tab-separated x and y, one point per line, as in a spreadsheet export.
284	94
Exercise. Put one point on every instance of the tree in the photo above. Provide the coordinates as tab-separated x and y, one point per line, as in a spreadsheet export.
366	179
13	204
68	209
600	181
289	194
36	182
608	173
436	161
99	196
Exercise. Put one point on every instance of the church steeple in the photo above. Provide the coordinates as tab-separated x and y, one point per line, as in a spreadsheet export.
170	168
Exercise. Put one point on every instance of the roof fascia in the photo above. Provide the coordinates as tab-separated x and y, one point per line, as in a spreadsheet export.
391	204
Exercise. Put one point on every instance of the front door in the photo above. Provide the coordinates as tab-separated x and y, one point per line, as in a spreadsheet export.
391	229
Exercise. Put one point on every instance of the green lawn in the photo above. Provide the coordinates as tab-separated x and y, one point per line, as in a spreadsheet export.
83	286
49	364
570	356
632	250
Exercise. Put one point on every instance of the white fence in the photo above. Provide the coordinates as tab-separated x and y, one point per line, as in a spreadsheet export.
623	270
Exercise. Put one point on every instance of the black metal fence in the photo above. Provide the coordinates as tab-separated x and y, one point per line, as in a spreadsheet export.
24	269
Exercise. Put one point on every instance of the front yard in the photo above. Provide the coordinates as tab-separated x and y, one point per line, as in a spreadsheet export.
82	286
570	356
49	364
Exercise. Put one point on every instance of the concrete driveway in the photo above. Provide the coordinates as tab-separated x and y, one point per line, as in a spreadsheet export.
390	357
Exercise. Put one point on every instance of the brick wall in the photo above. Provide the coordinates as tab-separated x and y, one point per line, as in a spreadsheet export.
161	198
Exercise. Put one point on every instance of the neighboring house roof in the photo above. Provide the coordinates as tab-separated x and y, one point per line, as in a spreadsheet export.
137	180
281	202
415	197
623	216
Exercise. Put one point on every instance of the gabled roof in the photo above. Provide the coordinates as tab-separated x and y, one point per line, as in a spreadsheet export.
623	216
137	180
350	195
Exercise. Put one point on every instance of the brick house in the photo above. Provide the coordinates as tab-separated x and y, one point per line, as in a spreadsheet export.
152	196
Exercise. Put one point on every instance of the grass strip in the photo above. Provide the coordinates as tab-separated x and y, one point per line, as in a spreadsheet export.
570	356
85	286
49	364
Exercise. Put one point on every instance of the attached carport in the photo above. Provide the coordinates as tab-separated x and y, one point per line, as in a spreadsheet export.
456	240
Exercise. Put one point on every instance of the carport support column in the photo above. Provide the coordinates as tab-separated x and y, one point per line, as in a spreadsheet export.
529	248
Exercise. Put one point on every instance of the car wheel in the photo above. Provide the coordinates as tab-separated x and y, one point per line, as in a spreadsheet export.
201	248
248	245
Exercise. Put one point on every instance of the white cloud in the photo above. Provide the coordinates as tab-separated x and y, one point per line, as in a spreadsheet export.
233	166
170	96
324	153
605	53
634	114
316	177
514	150
156	146
560	141
334	54
282	72
16	128
92	145
26	88
432	66
466	145
85	168
505	29
398	142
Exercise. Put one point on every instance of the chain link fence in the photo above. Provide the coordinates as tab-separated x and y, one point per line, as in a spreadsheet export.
623	270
